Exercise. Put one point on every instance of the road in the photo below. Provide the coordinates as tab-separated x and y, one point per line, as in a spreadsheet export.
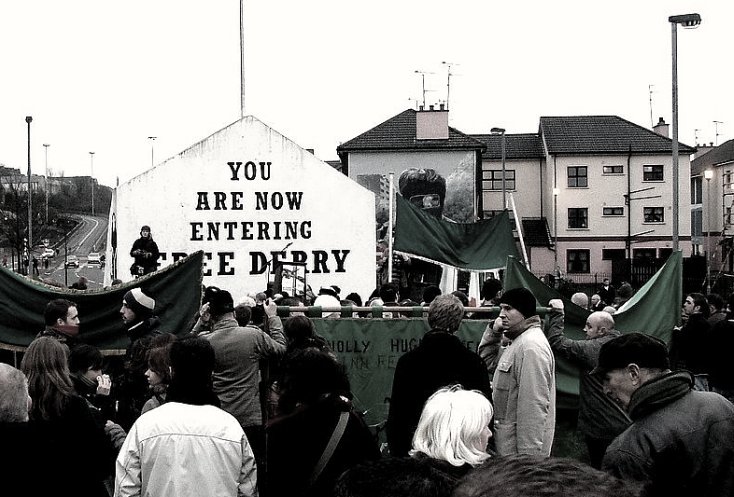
90	236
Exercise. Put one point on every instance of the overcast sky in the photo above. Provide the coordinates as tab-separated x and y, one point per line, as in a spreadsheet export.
103	76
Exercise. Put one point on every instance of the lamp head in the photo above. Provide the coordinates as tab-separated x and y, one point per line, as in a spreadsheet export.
28	119
708	174
495	131
688	21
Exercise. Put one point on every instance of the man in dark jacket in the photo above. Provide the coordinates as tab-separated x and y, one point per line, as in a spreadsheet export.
681	442
440	360
600	419
146	254
690	347
132	386
62	322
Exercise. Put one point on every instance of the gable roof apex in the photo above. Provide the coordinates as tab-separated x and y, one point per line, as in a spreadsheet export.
399	133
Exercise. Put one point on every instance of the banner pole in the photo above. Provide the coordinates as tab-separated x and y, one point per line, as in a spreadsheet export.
390	222
519	232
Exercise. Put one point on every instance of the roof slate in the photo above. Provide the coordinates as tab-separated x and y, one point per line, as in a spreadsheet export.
398	133
602	134
719	155
517	146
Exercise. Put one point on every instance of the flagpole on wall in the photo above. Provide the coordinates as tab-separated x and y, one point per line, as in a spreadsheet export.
390	227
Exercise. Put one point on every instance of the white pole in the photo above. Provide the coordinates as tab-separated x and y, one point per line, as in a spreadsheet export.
389	228
519	232
242	59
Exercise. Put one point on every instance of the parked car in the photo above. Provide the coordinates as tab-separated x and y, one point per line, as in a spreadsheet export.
95	258
48	252
72	261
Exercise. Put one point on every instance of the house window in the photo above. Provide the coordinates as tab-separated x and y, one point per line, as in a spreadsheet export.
613	254
643	253
577	261
696	190
665	253
613	211
577	177
492	179
727	215
654	215
697	223
652	173
578	218
613	170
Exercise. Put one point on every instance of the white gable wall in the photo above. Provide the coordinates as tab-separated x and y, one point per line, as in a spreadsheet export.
242	216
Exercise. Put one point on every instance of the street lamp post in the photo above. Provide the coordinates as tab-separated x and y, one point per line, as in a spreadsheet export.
45	146
708	174
556	191
152	149
28	120
687	21
91	158
501	131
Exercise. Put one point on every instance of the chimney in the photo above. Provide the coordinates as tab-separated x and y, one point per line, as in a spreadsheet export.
661	128
702	149
432	124
441	106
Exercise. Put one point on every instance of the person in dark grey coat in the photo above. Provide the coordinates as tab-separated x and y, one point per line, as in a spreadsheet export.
681	441
600	419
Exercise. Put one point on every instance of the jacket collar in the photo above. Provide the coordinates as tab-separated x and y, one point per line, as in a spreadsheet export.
522	327
659	392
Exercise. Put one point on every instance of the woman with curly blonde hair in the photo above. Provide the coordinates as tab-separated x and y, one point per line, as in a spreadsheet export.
453	430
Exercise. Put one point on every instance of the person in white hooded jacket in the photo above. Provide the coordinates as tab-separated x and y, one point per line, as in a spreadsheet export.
187	447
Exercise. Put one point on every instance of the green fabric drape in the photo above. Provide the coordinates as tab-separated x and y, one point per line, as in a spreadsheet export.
176	290
470	246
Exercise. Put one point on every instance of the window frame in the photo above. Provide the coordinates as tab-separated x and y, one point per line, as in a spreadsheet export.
612	214
581	214
489	182
612	172
653	172
576	178
648	212
571	267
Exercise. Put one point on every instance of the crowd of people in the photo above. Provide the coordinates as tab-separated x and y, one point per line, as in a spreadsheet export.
247	403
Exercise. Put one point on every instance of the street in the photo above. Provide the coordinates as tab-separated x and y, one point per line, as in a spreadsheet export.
90	236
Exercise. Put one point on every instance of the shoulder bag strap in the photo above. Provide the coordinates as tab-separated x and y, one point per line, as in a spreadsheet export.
331	446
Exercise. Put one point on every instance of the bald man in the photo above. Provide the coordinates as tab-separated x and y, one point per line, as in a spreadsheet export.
600	419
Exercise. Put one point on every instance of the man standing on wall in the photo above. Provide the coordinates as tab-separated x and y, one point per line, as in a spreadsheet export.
145	252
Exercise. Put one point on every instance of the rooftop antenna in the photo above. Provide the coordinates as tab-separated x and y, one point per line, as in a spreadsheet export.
423	79
652	121
695	136
716	132
448	80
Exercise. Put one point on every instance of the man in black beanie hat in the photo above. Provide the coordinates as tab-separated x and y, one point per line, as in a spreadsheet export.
142	325
523	385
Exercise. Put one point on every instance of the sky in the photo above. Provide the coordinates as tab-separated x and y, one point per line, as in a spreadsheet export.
102	77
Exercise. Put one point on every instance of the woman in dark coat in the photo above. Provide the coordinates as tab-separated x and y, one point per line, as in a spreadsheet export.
315	393
75	446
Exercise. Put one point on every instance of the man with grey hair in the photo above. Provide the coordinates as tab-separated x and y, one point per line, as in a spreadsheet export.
14	399
439	360
22	448
681	441
600	419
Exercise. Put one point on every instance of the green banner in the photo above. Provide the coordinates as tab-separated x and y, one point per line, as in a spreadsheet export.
370	349
476	246
653	310
175	288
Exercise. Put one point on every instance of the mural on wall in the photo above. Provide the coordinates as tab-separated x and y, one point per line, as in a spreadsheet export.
447	193
257	204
